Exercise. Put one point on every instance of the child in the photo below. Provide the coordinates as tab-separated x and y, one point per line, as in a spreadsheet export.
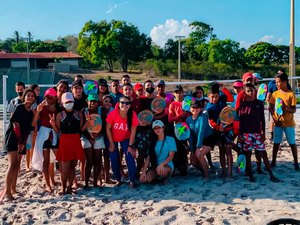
284	123
19	88
252	130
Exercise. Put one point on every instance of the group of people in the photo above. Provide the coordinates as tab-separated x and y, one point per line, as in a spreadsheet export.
62	127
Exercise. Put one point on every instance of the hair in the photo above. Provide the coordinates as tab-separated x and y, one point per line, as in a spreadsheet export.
62	82
213	91
196	89
127	84
108	96
148	81
249	85
20	83
153	141
116	81
27	90
282	77
33	86
282	70
129	113
79	76
126	76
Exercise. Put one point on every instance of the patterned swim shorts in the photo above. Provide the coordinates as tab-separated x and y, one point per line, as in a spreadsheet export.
252	142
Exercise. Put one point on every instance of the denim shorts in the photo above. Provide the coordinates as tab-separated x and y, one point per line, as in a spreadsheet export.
289	134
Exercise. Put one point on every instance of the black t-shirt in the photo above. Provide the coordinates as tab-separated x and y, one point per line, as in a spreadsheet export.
252	118
80	104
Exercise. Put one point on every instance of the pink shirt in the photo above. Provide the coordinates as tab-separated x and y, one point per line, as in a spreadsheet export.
119	129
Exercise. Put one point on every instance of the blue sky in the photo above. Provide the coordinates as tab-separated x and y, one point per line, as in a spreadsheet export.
244	21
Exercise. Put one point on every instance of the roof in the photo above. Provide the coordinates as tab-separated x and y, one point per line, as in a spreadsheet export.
40	55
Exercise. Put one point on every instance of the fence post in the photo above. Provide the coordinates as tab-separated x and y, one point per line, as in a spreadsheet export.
4	99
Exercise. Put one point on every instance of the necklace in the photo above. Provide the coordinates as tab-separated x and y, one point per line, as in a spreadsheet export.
69	120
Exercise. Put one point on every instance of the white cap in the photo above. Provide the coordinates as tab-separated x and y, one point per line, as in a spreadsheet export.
157	123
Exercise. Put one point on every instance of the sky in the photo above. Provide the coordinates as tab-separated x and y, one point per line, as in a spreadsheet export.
244	21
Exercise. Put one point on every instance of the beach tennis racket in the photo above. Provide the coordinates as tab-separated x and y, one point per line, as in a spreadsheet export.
227	115
169	98
279	106
94	123
145	117
241	163
90	87
158	104
187	102
182	131
262	92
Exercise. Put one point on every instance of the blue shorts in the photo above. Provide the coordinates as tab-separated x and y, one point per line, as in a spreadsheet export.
289	134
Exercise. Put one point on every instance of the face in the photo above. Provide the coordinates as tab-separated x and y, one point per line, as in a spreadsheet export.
92	104
195	110
127	91
249	80
102	88
125	80
29	97
124	104
77	91
199	94
139	92
61	88
149	85
50	100
107	103
178	94
280	84
19	88
115	87
37	91
160	89
250	92
158	130
213	97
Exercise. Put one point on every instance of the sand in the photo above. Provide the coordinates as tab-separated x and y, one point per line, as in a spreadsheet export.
185	200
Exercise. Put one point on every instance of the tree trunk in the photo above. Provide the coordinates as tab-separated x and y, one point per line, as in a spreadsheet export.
110	65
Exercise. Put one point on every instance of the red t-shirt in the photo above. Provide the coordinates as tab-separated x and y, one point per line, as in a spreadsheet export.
175	109
119	129
44	117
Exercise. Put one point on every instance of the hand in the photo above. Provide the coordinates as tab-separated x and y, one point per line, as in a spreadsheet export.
94	135
143	175
20	147
111	147
40	106
160	169
221	128
87	116
132	151
52	119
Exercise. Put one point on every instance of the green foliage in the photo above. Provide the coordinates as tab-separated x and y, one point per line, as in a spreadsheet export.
261	53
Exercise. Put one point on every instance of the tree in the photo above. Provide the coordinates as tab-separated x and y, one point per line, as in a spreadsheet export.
17	36
261	53
41	46
70	42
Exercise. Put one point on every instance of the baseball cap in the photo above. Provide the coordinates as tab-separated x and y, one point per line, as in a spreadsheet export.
196	104
138	86
67	97
238	83
50	92
157	123
257	76
102	82
160	82
178	87
77	83
247	75
92	97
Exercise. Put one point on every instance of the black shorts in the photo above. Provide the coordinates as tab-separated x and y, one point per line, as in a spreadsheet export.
48	144
212	140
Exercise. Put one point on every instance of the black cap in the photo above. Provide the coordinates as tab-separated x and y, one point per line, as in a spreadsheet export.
178	87
102	82
196	104
77	83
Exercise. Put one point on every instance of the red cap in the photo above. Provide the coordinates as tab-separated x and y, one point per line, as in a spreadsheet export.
247	75
50	92
138	86
238	84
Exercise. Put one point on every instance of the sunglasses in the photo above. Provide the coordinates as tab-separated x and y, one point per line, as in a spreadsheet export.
125	103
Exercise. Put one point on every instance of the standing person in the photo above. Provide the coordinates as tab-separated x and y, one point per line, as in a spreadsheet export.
80	78
198	94
139	90
218	98
284	123
103	89
252	130
115	91
177	115
15	140
160	157
19	88
237	88
62	87
199	143
46	140
69	123
127	91
121	128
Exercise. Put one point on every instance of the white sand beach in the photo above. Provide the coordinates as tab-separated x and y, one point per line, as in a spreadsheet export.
185	200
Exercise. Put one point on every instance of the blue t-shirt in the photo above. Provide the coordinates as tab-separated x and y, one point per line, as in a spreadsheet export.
162	152
115	97
199	129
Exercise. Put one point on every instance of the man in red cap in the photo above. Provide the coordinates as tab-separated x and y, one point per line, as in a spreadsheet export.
139	90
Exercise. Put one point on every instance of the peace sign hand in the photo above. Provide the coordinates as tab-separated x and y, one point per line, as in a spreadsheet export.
41	105
52	119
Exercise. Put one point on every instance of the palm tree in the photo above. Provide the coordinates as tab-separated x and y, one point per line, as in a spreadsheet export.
17	36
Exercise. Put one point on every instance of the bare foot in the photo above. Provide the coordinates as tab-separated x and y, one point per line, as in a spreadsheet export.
108	181
9	197
118	184
48	189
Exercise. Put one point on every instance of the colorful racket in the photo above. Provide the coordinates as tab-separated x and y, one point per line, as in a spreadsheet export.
145	117
262	92
279	106
158	104
169	98
182	131
90	87
241	163
94	123
227	115
187	102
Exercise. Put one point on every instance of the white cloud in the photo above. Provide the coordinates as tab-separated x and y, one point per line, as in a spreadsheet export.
267	38
245	44
171	28
110	10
